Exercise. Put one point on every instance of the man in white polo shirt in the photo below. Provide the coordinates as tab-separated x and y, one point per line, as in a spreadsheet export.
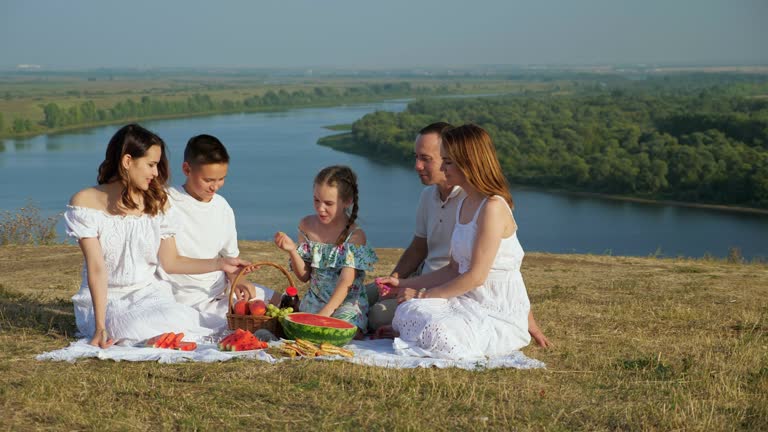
435	219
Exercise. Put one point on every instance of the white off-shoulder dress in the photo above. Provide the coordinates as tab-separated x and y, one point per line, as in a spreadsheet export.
488	321
139	304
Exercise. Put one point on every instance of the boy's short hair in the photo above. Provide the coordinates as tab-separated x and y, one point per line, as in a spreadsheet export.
205	149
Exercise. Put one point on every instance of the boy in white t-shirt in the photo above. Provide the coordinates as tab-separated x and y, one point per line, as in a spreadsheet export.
207	230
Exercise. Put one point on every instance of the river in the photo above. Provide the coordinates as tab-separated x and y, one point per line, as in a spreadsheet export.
275	158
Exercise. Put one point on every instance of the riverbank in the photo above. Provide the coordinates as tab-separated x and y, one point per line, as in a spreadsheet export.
345	143
267	109
640	343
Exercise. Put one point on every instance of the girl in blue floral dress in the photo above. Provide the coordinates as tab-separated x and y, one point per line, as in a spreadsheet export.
332	253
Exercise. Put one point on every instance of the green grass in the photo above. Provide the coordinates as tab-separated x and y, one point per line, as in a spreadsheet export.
640	344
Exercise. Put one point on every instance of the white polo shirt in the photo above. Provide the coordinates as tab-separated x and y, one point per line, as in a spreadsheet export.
435	220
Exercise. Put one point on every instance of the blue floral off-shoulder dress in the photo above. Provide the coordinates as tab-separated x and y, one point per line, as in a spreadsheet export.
327	260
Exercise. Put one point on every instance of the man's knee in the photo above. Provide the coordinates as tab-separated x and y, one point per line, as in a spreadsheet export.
381	313
372	292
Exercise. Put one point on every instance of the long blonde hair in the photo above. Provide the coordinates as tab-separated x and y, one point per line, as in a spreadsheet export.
472	151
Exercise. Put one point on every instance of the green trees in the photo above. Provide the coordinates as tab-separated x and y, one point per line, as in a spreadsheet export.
700	146
86	112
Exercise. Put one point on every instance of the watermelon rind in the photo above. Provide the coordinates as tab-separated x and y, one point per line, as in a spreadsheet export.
315	333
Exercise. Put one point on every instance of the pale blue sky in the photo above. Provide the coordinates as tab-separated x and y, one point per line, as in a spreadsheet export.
389	33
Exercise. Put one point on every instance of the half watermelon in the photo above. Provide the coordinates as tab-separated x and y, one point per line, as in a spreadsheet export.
318	328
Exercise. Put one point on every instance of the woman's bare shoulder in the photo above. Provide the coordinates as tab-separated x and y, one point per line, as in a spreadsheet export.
92	197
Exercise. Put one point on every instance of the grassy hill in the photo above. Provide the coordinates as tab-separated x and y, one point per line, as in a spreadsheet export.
640	344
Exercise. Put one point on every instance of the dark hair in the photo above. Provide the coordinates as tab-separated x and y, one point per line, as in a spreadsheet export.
472	150
205	149
436	127
345	181
135	141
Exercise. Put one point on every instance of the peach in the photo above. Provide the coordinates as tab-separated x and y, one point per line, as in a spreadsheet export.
241	307
257	307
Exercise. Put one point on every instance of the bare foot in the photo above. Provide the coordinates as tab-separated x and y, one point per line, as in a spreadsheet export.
385	332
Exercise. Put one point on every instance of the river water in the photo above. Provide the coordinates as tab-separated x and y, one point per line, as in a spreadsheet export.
275	158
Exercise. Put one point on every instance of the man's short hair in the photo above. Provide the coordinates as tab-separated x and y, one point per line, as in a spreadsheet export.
204	150
436	127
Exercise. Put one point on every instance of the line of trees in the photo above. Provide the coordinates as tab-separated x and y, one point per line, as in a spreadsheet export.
698	147
86	112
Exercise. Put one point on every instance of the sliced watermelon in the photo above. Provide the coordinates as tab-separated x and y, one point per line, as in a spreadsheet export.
166	341
152	342
187	346
176	340
317	328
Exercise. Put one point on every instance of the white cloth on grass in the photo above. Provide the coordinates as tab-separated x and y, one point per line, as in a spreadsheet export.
378	353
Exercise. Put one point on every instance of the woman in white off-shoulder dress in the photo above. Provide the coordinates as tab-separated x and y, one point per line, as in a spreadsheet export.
477	306
126	230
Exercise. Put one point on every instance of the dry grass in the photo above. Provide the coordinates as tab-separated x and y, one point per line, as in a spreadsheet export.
641	344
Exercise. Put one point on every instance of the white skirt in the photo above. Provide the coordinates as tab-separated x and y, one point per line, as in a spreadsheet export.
139	312
459	328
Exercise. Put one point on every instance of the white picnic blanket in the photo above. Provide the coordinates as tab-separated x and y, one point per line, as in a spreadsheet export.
367	352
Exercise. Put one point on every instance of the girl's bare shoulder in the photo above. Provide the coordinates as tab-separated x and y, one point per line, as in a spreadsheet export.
358	235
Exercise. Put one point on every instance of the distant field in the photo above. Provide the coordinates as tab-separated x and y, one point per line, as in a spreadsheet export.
24	97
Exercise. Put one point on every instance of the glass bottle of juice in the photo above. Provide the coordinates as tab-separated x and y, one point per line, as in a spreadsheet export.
290	299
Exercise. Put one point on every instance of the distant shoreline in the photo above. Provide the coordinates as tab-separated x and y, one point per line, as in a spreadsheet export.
267	109
342	142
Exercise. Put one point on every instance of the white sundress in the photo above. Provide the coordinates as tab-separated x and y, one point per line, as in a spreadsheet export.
139	304
488	321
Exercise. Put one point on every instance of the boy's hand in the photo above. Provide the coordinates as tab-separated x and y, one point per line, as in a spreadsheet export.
284	242
231	265
243	292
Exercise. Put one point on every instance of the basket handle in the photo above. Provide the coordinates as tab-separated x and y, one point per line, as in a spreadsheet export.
248	269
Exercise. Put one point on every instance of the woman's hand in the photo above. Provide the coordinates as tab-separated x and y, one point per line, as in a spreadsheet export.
231	265
101	339
536	333
284	242
407	294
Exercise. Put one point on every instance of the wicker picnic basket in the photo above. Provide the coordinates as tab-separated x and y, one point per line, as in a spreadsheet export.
252	322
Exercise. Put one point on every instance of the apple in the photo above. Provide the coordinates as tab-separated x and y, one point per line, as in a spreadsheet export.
257	307
241	307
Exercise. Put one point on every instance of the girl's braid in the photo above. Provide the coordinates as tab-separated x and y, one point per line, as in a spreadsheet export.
348	176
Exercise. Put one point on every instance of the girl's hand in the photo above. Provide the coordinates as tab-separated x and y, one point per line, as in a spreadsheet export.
101	339
284	242
231	265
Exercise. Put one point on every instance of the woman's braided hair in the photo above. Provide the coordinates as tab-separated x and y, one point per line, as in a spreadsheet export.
344	179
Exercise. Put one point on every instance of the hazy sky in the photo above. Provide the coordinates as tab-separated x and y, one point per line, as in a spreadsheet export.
388	33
